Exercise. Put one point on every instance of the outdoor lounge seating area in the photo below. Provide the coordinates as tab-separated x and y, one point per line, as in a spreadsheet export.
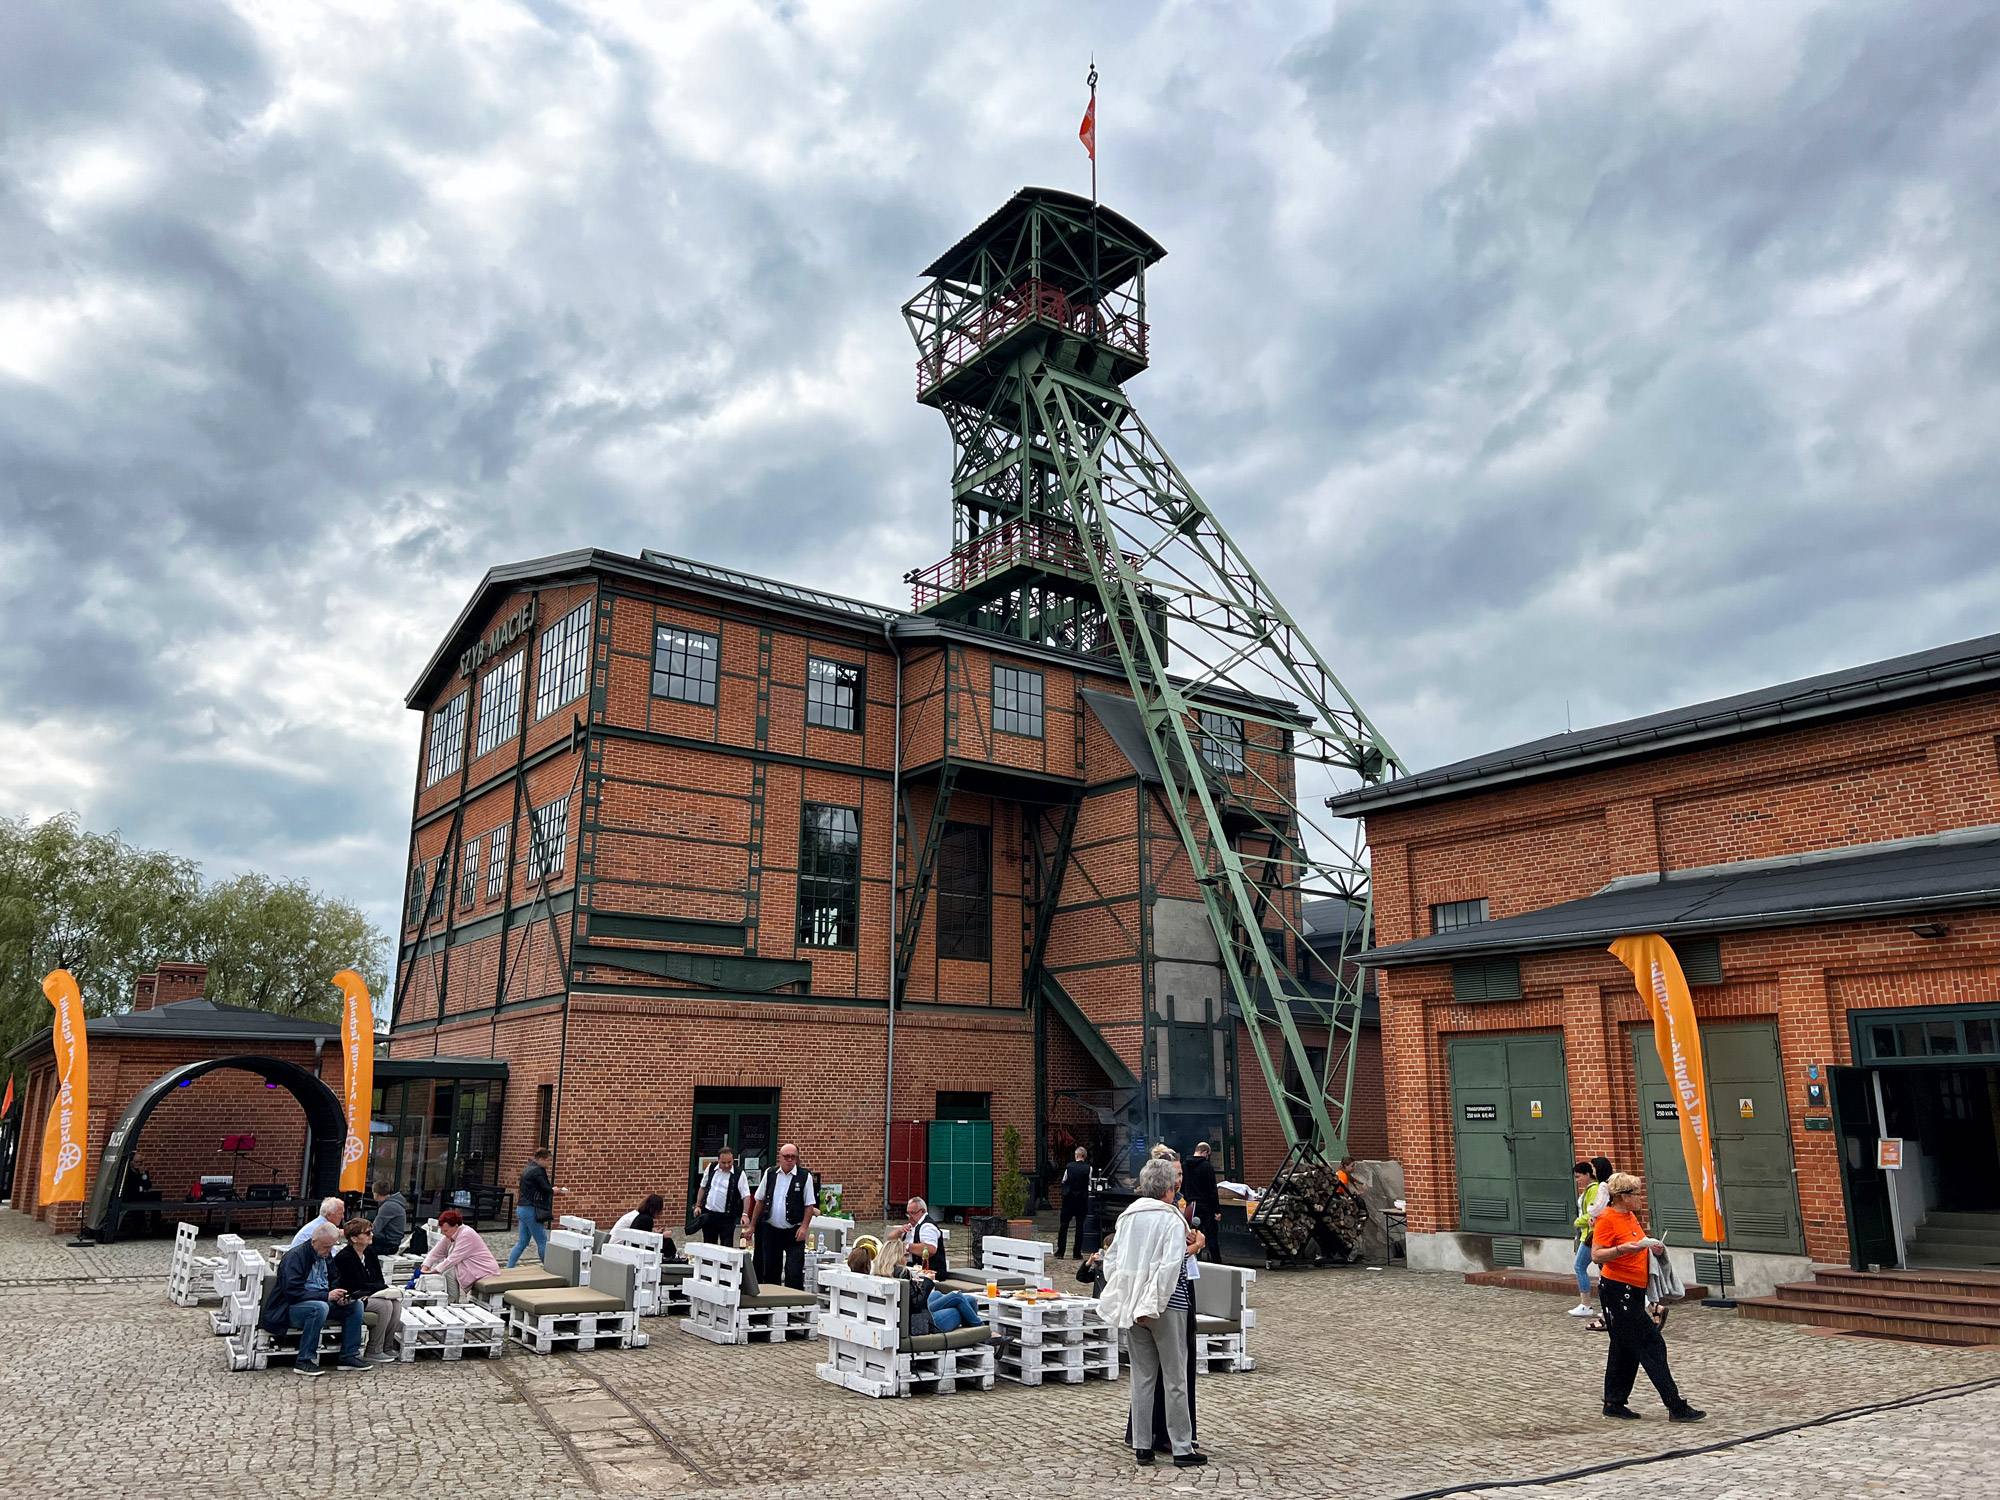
870	1350
728	1306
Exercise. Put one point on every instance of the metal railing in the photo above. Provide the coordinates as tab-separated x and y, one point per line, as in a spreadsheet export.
957	345
1010	544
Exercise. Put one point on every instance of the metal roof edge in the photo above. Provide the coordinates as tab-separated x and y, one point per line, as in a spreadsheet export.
1817	916
1842	701
508	573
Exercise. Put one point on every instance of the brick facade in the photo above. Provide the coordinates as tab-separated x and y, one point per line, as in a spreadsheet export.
1901	772
675	903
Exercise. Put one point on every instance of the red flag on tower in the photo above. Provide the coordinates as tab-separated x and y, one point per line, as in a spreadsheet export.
1087	132
7	1103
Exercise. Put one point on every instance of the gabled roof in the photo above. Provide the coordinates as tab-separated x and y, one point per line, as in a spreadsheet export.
1942	671
1943	872
195	1018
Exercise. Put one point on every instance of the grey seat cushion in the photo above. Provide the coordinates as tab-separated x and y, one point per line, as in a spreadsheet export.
979	1279
958	1338
520	1279
1216	1325
562	1301
778	1299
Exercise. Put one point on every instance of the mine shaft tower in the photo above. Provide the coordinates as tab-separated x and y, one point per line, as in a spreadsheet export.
1072	528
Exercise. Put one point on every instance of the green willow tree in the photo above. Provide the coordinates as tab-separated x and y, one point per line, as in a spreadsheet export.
107	911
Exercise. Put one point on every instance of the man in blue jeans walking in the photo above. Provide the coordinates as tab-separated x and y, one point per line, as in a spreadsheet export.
534	1207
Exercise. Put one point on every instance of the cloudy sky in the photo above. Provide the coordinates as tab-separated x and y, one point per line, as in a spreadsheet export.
1609	356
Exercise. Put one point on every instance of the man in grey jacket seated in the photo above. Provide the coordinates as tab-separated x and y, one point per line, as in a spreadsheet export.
392	1223
1146	1292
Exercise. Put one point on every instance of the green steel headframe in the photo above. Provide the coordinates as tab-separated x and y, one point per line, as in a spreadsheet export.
1072	527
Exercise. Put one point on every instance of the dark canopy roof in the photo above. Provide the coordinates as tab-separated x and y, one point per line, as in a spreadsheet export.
1940	873
196	1018
1120	717
1124	249
1965	666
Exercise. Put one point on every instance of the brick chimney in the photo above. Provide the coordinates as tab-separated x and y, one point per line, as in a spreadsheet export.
145	990
180	982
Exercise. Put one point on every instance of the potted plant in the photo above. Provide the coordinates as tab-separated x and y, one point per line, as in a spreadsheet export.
1010	1192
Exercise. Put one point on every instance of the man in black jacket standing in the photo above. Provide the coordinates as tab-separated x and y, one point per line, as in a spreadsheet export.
1204	1201
306	1297
1075	1201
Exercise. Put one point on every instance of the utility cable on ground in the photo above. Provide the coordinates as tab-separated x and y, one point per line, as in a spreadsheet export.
1921	1398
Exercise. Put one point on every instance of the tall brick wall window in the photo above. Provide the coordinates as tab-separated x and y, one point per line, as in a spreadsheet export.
965	892
829	876
562	674
833	693
468	875
1449	916
435	875
686	664
1017	701
1221	742
418	872
545	1115
548	839
499	702
496	863
447	747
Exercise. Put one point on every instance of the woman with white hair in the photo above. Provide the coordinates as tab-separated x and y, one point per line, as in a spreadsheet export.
1146	1292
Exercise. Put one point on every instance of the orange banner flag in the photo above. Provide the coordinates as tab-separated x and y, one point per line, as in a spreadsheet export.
357	1057
68	1130
1657	972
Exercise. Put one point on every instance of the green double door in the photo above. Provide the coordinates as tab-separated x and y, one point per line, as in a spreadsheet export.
1753	1142
1510	1111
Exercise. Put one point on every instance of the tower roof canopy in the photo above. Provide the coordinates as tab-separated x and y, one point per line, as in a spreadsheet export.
1123	248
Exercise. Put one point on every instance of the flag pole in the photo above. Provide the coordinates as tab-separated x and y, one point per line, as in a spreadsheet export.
1093	190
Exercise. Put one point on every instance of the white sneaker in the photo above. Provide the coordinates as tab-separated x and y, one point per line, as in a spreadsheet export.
1582	1310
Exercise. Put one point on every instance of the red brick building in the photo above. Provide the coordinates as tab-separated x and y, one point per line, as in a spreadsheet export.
654	871
1824	854
169	1027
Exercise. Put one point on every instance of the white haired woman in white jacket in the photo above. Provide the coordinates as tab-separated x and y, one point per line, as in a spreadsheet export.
1143	1273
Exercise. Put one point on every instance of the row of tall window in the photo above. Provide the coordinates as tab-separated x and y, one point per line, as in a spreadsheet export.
548	849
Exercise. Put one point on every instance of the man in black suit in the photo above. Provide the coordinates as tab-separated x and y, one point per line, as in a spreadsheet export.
1075	1200
1204	1200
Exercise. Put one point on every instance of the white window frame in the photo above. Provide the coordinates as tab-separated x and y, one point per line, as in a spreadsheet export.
444	753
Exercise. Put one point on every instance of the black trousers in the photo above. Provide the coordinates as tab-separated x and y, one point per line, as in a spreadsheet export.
1072	1213
781	1257
717	1229
1635	1342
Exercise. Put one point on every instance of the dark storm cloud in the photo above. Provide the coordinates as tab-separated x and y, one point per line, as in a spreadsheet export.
1539	353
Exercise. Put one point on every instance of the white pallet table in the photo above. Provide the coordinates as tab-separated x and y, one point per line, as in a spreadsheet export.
554	1332
451	1332
1063	1321
1061	1364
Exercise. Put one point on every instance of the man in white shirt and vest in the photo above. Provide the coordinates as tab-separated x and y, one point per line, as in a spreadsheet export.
925	1237
787	1199
724	1189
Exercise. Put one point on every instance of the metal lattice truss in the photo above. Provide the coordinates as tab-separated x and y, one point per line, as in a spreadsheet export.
1248	699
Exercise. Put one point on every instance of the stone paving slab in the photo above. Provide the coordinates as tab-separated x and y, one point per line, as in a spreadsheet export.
1368	1384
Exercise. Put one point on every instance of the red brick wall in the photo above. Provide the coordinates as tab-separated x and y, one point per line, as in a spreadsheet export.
1908	772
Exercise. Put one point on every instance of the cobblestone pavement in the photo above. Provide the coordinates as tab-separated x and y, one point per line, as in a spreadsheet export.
1368	1384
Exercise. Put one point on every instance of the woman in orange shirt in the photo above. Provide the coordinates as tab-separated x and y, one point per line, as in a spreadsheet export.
1623	1253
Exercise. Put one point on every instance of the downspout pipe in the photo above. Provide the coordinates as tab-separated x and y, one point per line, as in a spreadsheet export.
895	854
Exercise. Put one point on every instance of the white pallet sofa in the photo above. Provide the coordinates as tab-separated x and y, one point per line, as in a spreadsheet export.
587	1312
726	1305
239	1282
247	1346
1027	1259
870	1350
1223	1319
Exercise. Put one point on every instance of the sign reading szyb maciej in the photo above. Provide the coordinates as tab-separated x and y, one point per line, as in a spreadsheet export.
504	635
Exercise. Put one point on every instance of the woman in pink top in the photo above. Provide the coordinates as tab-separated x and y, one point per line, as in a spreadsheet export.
462	1256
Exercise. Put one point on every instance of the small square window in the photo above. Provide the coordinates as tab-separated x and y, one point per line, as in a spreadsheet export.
1449	916
686	664
1883	1040
833	693
1017	701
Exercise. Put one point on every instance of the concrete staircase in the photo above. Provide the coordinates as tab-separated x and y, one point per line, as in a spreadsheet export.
1969	1240
1938	1306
